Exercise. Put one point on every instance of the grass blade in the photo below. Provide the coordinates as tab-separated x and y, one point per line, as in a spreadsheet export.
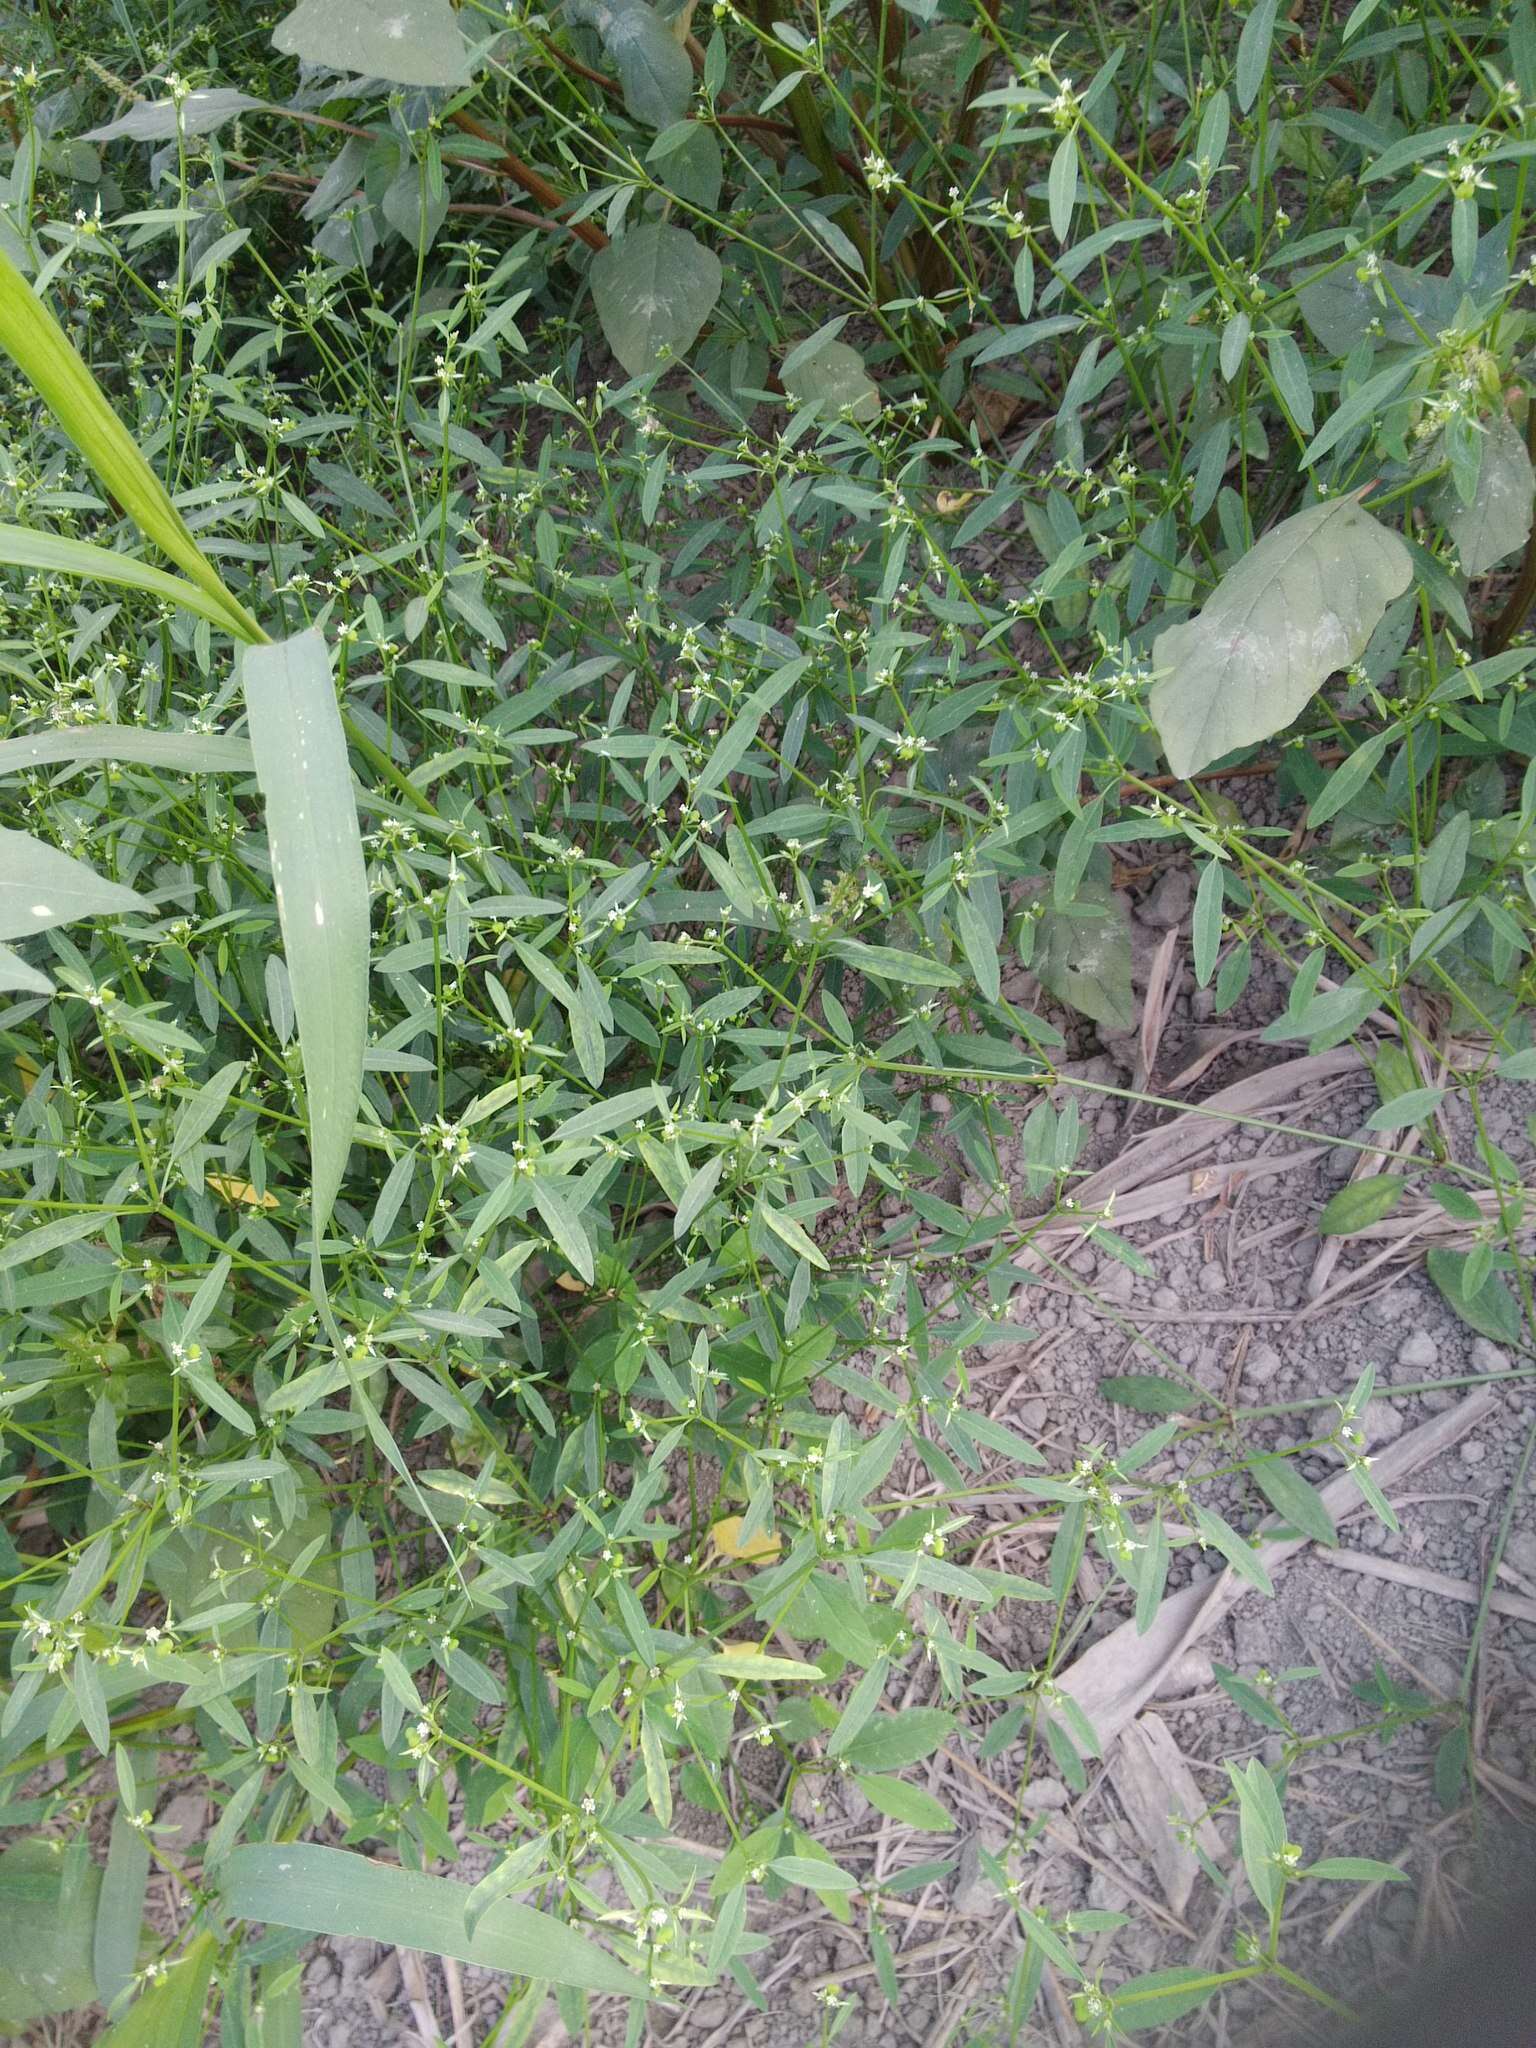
41	887
120	1912
329	1891
56	554
322	890
194	753
46	356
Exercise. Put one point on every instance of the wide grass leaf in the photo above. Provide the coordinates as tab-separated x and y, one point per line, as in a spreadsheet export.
1490	1309
833	376
56	554
120	1916
41	887
652	64
1083	955
329	1891
192	753
47	1914
16	974
1301	604
170	2012
195	113
322	889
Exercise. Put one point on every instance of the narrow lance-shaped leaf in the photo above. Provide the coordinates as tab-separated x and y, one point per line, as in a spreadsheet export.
322	889
196	113
46	356
1300	604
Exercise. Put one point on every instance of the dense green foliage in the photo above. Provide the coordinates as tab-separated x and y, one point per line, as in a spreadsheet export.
499	946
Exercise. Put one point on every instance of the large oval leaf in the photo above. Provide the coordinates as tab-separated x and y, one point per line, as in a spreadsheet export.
652	64
1498	520
322	889
832	375
412	42
1298	606
654	291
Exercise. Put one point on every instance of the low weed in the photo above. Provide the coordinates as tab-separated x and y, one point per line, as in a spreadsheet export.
586	592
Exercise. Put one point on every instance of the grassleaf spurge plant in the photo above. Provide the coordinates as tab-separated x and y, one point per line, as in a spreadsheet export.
520	878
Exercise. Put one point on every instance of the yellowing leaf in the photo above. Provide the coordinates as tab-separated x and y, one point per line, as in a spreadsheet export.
750	1660
240	1191
726	1537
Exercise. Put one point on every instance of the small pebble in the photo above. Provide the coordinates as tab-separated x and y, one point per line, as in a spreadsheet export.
1168	905
1213	1278
1045	1795
1165	1297
1190	1671
1382	1422
1262	1363
1419	1352
1473	1453
1488	1357
1115	1283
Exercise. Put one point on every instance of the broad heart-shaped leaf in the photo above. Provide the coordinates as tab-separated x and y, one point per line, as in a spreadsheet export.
833	376
41	887
1300	604
322	889
652	64
1498	520
48	1900
654	290
1086	960
412	42
330	1891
